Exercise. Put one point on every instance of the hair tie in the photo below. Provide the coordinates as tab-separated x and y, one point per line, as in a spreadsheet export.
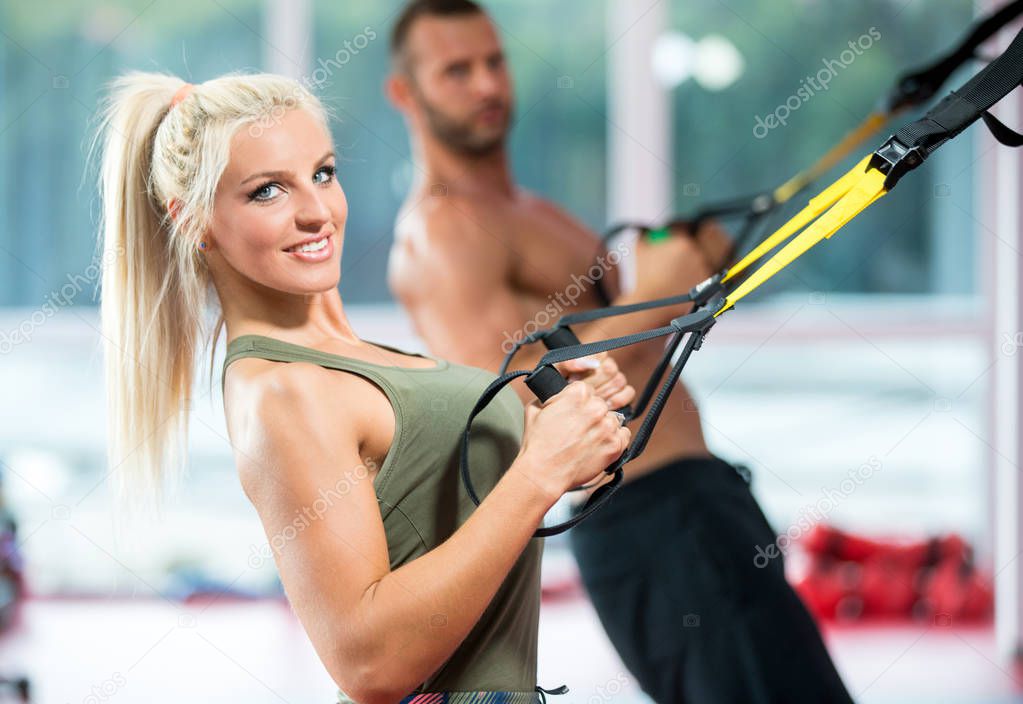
181	94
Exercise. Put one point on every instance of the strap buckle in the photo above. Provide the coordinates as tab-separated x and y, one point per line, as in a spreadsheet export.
706	289
894	159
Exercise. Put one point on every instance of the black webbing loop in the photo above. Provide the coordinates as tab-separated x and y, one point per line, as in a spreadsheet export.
597	499
544	692
695	325
518	345
484	400
1008	137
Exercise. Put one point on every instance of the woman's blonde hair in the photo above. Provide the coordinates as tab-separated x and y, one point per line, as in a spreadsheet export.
156	288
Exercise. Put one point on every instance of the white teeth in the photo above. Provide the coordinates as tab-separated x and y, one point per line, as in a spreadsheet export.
311	247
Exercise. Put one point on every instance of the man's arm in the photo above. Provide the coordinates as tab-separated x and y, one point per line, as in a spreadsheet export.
464	306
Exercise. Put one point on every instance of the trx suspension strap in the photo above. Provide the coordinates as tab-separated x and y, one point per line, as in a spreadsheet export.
545	381
873	177
911	90
878	173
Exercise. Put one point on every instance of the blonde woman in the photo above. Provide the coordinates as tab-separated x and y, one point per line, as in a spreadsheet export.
224	193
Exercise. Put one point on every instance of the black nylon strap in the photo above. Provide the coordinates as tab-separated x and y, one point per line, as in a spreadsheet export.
699	294
655	378
721	209
646	429
904	151
911	90
920	85
592	314
695	325
1003	134
564	354
518	345
484	400
597	499
964	106
559	355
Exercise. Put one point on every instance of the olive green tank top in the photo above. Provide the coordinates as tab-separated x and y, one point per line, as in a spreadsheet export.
422	500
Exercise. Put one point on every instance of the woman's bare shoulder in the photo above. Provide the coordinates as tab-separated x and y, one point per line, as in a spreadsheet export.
272	408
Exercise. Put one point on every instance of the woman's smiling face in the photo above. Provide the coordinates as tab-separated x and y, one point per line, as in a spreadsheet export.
279	213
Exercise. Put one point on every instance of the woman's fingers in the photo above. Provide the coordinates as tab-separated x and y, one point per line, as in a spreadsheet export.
600	372
582	367
621	398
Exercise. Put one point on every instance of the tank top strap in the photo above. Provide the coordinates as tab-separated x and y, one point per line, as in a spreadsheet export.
276	350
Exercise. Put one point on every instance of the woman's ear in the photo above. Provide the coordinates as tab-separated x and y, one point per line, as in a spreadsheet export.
173	208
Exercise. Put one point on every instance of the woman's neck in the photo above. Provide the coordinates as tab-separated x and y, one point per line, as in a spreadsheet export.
304	319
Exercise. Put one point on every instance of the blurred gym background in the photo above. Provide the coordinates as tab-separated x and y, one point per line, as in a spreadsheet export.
896	346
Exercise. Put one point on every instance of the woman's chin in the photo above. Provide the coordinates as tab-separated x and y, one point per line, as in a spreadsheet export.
309	285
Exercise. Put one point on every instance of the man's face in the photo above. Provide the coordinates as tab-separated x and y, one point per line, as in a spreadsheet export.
459	81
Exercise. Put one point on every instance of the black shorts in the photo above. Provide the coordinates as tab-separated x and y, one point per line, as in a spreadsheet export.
669	566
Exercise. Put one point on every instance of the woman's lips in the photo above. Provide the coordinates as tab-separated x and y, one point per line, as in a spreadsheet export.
322	254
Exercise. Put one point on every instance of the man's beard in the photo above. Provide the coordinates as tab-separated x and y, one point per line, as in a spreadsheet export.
460	135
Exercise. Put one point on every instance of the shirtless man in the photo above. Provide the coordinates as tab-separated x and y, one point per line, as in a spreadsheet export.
669	562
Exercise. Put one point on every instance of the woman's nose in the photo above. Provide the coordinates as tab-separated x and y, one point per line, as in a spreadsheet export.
313	209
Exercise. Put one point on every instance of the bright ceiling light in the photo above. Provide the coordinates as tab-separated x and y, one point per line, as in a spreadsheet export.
673	58
714	62
718	63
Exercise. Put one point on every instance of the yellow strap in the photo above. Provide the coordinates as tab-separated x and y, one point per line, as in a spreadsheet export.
867	188
873	122
828	197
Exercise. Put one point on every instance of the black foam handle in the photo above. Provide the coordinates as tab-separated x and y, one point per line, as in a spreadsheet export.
560	337
546	382
564	337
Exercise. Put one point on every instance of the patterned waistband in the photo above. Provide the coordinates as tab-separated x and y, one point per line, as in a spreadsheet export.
473	698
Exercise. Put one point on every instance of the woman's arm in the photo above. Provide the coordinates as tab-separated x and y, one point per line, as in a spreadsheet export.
381	633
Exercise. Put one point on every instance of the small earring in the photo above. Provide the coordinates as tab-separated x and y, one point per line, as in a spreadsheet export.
202	245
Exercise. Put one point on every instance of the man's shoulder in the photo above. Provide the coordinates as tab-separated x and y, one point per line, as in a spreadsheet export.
444	221
439	237
449	219
542	206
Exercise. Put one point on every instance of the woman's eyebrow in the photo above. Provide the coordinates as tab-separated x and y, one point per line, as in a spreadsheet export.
281	174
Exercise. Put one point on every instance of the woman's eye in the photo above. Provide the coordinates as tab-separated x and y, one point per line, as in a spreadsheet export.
329	171
268	191
263	192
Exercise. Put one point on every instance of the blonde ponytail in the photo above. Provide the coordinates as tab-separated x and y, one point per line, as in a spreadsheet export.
156	288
